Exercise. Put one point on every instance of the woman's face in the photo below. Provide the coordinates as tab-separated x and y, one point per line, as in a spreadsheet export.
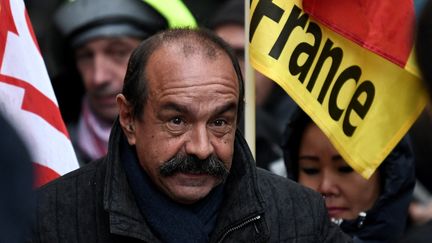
323	169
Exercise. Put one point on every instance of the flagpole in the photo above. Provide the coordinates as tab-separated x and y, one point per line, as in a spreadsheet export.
249	89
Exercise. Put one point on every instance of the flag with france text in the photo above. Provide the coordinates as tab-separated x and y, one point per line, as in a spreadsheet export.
348	64
27	98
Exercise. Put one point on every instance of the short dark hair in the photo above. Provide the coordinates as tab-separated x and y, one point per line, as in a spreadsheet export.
291	141
423	43
135	87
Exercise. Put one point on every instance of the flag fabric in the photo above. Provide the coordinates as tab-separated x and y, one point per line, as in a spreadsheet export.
348	64
27	98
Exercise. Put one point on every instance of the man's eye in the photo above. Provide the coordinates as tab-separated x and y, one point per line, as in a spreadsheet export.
176	121
119	53
219	123
310	171
83	56
176	125
345	169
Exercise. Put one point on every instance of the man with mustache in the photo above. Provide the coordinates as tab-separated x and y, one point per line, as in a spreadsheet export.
177	168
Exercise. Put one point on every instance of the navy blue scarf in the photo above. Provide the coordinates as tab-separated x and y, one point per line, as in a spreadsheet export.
170	221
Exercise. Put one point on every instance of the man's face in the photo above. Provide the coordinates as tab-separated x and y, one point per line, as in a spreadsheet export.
102	64
191	110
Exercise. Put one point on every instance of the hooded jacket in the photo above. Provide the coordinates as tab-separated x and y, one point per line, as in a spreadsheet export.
386	220
95	204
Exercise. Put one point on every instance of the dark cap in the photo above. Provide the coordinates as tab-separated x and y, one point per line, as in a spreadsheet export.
83	20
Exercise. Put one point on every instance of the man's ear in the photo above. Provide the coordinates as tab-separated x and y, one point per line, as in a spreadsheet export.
126	118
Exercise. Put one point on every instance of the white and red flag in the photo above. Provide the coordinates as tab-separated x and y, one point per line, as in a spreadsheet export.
27	98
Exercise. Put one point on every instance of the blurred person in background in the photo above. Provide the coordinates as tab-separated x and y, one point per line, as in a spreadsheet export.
421	208
102	35
421	211
373	210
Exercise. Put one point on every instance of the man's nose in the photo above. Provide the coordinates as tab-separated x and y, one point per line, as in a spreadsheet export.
101	70
199	143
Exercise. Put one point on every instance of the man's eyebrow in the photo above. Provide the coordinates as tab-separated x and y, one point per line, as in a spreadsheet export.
337	157
231	106
175	107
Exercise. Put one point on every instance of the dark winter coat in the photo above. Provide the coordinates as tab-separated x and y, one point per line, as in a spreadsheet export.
95	204
386	220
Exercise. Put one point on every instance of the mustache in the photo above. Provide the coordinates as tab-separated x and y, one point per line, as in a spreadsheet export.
191	164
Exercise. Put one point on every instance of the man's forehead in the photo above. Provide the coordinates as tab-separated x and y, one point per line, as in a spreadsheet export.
190	46
172	64
180	55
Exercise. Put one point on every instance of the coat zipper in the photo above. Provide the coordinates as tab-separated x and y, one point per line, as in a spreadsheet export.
239	226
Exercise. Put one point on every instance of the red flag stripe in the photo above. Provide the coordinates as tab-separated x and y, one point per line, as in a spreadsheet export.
43	174
37	103
383	27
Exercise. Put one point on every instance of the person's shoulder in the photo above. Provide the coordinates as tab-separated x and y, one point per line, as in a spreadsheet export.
288	194
281	185
86	175
298	209
69	201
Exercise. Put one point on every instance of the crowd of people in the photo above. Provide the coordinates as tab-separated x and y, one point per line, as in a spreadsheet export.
155	115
